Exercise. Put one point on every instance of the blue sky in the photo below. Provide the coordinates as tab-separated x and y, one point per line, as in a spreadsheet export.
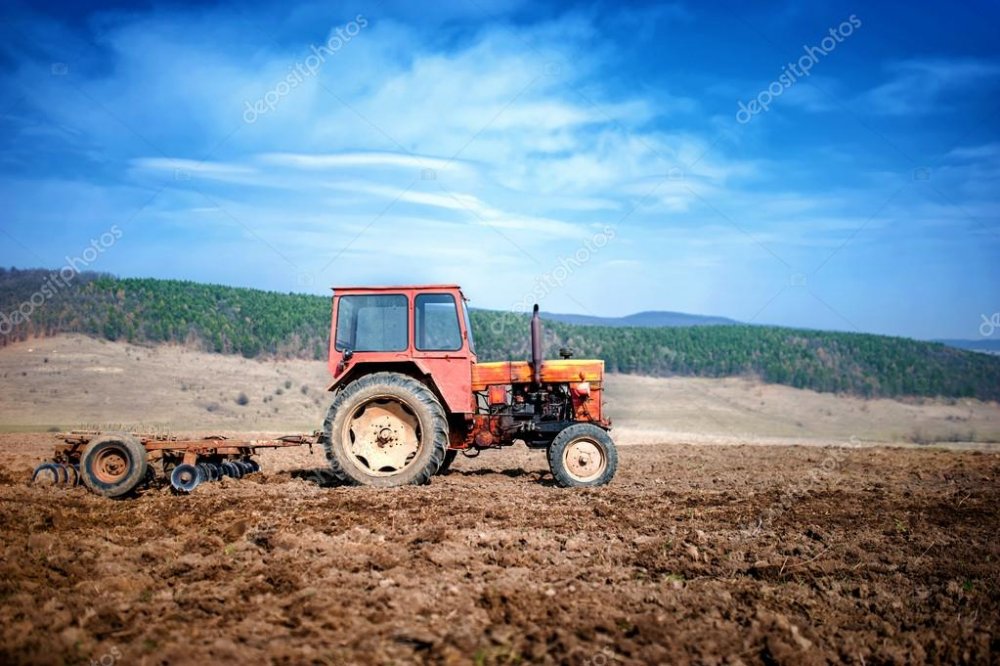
589	156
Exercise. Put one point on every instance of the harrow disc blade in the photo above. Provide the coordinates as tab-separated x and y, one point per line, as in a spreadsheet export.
52	468
73	472
186	478
206	472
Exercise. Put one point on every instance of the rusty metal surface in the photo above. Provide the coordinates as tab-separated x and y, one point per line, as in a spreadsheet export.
556	371
157	445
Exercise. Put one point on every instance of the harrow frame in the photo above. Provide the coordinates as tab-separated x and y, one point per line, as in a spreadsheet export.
203	459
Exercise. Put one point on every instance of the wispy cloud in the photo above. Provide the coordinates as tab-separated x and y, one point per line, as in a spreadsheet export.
190	167
359	159
928	85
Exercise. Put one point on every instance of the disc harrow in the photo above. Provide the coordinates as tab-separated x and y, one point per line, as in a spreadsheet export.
64	474
116	464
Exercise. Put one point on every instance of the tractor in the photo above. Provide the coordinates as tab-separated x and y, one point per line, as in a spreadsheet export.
409	396
410	393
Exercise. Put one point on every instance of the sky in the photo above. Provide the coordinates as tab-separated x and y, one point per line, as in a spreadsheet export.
818	165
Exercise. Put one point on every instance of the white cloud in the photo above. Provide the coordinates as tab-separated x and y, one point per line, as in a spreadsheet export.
358	159
924	86
189	166
988	151
479	212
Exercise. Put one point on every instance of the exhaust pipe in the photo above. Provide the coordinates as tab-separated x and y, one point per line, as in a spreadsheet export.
536	347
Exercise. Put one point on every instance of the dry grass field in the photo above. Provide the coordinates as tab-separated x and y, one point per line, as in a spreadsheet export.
74	381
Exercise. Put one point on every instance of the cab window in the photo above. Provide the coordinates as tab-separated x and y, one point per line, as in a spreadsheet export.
468	328
437	323
373	323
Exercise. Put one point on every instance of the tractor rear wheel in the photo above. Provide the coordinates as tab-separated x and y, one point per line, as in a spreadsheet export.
449	458
113	465
582	455
385	429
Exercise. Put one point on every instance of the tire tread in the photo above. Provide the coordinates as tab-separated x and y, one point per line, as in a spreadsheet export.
139	472
418	392
554	454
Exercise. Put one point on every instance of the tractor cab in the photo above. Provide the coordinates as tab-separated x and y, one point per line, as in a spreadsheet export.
410	393
422	331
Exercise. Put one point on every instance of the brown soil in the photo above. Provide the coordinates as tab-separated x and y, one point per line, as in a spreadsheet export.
709	554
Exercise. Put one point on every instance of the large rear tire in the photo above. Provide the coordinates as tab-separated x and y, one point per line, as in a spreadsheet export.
385	429
583	455
449	458
113	465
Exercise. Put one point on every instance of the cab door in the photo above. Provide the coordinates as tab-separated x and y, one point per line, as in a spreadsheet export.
440	343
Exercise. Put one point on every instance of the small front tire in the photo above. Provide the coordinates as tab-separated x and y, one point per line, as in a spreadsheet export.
582	456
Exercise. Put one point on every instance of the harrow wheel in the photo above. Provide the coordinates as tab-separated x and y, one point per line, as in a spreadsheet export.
582	455
385	429
113	465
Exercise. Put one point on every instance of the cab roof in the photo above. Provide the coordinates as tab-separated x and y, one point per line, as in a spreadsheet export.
410	287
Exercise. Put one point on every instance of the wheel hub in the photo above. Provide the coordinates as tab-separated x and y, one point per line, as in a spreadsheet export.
584	460
384	436
111	465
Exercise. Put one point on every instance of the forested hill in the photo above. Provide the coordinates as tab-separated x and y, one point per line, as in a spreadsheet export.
260	323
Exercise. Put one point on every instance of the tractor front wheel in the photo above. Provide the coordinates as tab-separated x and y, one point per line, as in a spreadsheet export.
583	455
386	429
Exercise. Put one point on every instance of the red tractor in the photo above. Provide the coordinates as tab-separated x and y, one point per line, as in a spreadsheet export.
410	394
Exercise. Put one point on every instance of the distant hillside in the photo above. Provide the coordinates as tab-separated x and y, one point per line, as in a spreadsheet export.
210	317
258	323
983	345
641	319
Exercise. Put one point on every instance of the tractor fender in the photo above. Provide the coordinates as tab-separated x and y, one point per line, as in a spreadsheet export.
451	382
